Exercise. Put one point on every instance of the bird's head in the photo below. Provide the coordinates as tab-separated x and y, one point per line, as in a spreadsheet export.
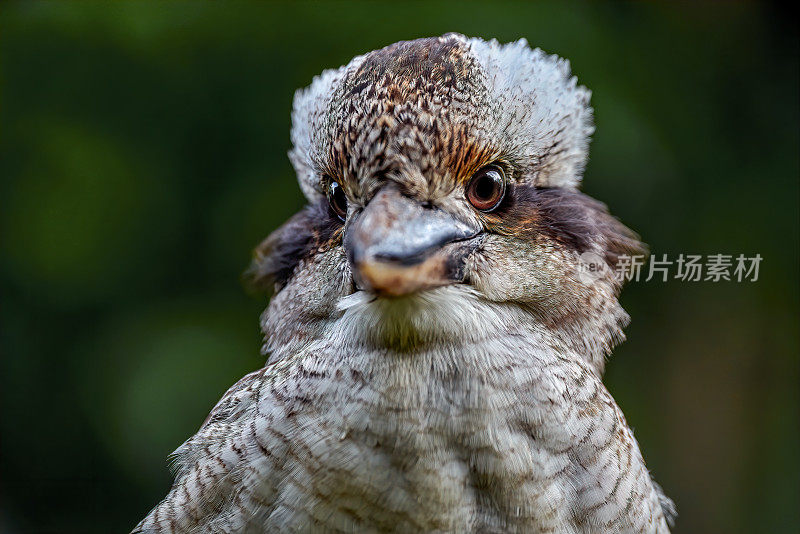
438	169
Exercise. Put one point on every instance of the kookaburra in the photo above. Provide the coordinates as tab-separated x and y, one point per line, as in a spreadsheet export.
435	344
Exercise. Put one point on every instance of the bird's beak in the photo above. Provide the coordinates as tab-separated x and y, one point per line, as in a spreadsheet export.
397	246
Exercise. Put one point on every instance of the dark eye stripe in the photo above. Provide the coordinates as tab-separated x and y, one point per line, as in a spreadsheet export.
275	259
564	216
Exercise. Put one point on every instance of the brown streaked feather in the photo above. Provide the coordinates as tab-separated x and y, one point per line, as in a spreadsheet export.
443	62
464	153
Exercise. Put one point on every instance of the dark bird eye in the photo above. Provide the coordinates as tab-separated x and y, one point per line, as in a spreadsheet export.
486	188
337	200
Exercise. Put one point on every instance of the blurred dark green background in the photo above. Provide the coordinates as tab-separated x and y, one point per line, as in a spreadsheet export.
143	154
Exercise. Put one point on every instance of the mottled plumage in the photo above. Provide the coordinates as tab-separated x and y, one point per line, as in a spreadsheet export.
420	382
